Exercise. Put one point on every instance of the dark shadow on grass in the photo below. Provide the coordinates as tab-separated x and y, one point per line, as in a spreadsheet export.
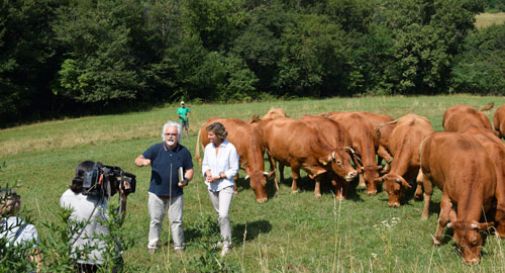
250	230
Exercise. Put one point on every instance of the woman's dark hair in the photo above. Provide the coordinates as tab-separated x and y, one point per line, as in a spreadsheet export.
85	166
218	129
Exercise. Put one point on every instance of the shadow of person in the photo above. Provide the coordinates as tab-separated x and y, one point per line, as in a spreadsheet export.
249	231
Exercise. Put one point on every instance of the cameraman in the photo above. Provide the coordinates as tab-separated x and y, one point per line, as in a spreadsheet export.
172	169
89	213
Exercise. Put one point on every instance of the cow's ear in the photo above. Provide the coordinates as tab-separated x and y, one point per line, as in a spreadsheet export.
403	182
324	160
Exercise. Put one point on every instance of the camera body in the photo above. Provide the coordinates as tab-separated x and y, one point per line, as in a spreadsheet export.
106	181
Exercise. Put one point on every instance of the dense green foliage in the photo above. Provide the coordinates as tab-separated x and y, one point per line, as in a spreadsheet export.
60	57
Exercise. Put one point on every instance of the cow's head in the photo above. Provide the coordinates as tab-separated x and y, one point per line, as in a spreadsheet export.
393	184
340	162
469	239
258	181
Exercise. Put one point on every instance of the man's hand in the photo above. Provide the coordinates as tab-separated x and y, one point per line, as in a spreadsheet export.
141	161
183	183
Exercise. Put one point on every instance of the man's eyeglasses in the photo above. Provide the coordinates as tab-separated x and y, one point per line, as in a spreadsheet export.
171	134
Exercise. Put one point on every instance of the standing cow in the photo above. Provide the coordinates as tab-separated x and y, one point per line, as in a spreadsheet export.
458	165
337	137
364	142
295	144
249	147
459	118
404	141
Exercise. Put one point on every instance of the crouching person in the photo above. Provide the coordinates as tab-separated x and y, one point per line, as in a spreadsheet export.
18	239
90	242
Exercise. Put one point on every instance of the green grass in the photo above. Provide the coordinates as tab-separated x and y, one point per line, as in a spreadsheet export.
289	233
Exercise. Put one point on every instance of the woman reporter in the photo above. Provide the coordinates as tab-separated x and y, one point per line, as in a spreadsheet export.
220	165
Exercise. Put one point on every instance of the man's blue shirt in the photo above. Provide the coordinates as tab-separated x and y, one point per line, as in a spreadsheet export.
164	168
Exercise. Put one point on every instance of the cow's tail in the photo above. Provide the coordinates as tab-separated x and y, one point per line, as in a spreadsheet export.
197	147
486	107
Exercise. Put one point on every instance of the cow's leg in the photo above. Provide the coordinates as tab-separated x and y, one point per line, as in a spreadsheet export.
443	218
362	182
235	180
281	171
295	175
272	162
419	188
340	188
428	191
384	154
317	187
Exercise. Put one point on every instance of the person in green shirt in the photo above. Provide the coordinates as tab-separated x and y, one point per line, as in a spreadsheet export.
183	113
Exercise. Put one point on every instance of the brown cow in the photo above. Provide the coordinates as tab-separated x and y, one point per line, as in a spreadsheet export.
458	165
249	147
459	118
364	142
404	143
274	113
295	144
499	121
496	151
385	123
337	137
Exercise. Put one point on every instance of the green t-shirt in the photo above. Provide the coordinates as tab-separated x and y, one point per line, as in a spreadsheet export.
183	113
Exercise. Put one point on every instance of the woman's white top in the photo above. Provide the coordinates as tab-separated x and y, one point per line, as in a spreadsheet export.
225	160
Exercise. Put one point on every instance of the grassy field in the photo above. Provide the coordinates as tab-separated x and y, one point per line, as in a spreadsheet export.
289	233
484	20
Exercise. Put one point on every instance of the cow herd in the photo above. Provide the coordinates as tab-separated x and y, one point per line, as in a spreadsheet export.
465	161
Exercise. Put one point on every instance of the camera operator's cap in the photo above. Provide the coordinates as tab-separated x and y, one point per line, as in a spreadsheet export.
182	102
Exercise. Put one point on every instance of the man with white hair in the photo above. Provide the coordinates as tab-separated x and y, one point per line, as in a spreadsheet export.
172	169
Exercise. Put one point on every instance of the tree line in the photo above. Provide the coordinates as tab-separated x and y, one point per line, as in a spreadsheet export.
60	57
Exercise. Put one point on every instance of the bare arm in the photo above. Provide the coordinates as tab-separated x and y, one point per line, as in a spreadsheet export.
37	258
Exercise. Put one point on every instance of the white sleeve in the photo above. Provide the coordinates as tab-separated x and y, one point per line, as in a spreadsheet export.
205	162
234	163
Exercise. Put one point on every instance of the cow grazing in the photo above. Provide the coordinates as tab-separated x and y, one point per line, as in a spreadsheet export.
458	165
337	137
364	142
499	121
404	141
459	118
496	151
295	144
249	147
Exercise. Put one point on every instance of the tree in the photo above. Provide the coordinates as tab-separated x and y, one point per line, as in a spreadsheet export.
100	64
480	68
27	54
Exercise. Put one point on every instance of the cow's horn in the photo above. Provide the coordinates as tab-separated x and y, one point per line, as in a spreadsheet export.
449	225
333	155
266	173
349	149
246	177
